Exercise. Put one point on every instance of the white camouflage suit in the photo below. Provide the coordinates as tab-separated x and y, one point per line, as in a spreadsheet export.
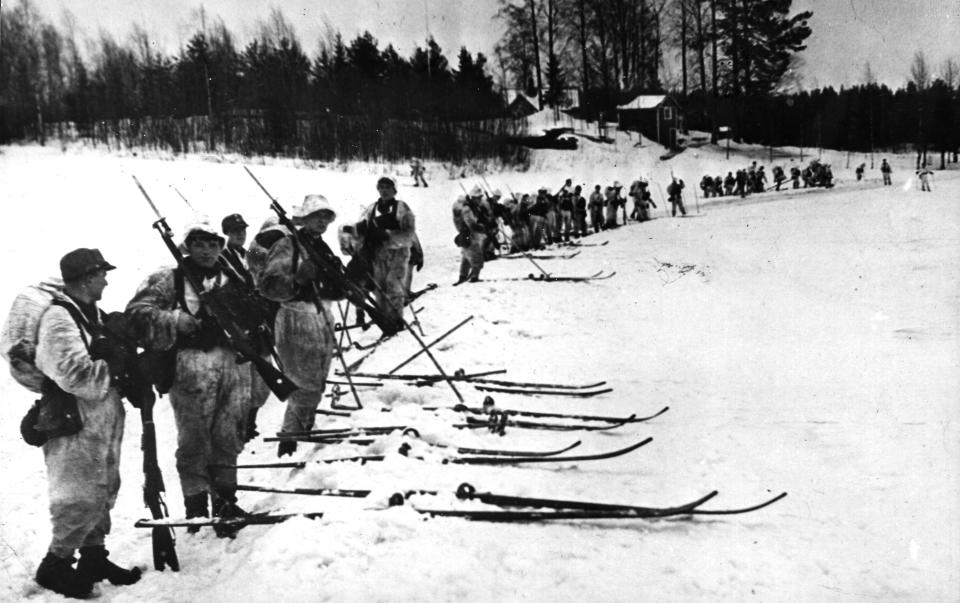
390	259
83	470
304	334
210	394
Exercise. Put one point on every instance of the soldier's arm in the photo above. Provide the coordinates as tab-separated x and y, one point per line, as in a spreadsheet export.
154	313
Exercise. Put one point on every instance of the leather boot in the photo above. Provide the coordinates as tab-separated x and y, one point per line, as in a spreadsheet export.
57	574
251	425
225	505
95	566
195	506
286	448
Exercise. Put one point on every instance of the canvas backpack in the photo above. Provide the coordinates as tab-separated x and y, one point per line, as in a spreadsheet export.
18	339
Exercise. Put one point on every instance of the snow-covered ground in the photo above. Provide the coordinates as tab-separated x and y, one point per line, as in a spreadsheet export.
805	343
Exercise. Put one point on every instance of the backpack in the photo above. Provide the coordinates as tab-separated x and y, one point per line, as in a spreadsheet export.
18	340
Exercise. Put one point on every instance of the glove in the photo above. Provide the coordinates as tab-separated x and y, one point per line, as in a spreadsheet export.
418	264
187	324
102	348
306	273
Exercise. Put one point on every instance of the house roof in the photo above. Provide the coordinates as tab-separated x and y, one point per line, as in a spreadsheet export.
645	101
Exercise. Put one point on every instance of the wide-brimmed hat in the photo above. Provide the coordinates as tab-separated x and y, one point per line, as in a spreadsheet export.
270	232
311	205
81	262
201	229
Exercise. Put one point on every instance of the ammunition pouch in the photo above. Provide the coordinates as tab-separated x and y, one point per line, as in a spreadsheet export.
54	415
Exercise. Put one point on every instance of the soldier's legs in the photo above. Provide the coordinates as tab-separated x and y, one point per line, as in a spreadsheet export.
305	343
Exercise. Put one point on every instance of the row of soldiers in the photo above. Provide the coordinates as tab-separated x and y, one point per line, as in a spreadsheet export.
280	293
753	179
486	222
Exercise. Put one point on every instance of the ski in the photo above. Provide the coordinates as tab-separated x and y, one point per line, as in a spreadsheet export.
538	385
366	458
468	492
497	422
246	520
479	460
572	244
306	491
554	415
458	376
589	512
545	256
599	276
543	392
363	459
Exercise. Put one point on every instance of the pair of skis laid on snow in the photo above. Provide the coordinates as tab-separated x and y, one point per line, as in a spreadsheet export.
509	508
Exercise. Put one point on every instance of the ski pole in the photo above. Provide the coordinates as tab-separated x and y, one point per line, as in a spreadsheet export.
433	343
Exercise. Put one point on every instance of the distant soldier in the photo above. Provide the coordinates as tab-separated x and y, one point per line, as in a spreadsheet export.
741	183
612	203
795	176
417	170
760	180
566	212
471	218
621	200
778	176
718	186
859	171
886	171
579	212
538	218
706	185
728	183
924	174
675	191
595	206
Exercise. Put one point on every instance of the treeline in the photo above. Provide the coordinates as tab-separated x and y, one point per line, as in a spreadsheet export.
615	48
923	116
267	96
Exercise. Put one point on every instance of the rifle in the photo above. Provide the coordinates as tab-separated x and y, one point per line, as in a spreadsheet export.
217	312
330	267
136	388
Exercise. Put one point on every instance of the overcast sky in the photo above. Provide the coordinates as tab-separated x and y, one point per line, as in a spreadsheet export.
846	33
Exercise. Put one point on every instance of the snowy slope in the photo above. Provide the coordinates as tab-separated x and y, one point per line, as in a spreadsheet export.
812	349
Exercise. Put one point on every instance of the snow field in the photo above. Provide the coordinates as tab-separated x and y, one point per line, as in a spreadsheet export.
805	343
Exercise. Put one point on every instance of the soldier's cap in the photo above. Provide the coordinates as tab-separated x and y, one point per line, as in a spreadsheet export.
232	223
543	189
476	191
81	262
616	184
496	193
386	181
201	230
313	204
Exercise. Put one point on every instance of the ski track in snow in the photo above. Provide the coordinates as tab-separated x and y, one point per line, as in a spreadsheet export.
805	342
